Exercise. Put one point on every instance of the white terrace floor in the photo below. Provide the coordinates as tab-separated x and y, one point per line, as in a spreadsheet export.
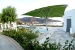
57	35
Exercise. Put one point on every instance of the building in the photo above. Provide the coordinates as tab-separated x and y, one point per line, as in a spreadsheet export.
69	21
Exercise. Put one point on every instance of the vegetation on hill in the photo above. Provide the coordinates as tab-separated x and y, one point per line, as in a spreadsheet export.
40	20
20	22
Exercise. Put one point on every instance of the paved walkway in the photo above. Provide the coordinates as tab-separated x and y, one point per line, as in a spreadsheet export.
56	35
43	37
59	36
7	43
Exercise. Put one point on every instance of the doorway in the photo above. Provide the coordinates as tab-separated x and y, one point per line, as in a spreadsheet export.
68	25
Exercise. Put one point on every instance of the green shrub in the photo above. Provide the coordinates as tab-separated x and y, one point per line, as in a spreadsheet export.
22	36
69	45
46	45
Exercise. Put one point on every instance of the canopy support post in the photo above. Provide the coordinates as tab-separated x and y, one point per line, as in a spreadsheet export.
46	24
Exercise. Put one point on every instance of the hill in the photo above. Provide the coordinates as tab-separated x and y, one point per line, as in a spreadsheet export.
40	20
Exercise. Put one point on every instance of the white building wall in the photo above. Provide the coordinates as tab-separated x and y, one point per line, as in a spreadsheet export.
69	15
65	17
73	24
64	23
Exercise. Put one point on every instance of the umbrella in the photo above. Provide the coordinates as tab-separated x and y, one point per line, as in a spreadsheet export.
46	12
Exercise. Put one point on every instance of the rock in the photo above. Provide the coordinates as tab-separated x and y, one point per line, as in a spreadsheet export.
7	43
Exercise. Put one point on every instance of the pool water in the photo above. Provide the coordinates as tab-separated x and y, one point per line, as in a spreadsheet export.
43	29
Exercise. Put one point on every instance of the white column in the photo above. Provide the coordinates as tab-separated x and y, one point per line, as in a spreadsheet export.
71	31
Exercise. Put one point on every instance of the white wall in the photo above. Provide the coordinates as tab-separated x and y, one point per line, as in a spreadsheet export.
69	15
14	25
65	17
73	21
8	25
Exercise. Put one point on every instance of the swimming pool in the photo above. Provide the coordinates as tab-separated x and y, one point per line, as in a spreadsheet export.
44	30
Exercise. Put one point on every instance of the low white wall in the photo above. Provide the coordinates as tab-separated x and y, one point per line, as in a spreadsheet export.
8	26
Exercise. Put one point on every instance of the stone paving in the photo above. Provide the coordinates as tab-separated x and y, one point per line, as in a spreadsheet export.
58	36
7	43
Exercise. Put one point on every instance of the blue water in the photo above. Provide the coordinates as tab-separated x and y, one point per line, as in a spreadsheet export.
42	30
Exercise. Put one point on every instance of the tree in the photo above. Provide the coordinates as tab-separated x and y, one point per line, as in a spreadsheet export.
8	14
0	17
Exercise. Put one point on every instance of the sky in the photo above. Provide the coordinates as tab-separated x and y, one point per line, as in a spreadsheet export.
23	6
